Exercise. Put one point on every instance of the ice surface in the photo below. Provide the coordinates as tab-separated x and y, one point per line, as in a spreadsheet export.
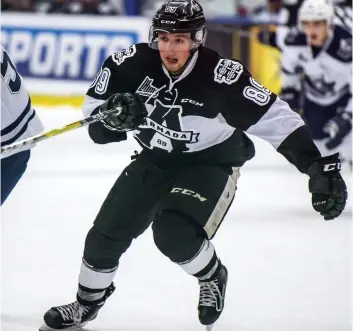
289	270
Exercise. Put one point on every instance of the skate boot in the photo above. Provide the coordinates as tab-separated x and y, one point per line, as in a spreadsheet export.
212	292
74	316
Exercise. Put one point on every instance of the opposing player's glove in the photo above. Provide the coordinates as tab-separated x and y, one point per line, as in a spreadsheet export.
338	127
132	114
329	191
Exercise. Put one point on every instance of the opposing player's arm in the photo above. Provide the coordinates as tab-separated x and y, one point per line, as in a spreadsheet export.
113	77
291	80
349	72
275	38
340	125
258	111
291	71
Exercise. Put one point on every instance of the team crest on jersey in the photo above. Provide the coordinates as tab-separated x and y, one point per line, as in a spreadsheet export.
121	56
345	50
163	128
227	71
147	89
321	85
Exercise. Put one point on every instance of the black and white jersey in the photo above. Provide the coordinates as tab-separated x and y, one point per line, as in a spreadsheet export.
327	73
18	118
201	117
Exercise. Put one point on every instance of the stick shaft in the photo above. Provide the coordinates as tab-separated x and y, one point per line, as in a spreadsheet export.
29	142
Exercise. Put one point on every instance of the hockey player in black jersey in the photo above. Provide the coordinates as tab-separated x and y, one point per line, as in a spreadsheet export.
190	110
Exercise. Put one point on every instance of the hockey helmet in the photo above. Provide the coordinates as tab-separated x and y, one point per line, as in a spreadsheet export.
316	10
179	16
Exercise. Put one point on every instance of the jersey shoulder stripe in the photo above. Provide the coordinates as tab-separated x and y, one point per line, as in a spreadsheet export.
294	38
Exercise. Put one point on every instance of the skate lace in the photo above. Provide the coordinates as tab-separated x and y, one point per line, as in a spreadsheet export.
68	311
209	292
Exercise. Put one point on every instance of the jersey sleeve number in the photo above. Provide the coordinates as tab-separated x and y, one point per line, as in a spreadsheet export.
14	80
257	93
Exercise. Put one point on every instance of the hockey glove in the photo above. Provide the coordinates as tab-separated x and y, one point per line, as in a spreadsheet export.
132	115
329	191
338	127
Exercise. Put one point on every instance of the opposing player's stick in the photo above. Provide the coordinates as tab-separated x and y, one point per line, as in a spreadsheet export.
55	132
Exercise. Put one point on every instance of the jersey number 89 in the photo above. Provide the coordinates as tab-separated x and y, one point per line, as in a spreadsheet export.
257	93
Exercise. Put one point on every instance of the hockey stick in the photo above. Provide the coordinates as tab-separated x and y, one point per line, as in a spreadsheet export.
28	142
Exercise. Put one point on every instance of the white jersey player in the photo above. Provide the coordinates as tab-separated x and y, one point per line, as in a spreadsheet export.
317	74
18	121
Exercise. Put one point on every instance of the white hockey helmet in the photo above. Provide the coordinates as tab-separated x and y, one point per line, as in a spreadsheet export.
316	10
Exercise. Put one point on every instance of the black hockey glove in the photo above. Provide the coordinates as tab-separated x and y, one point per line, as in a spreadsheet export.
132	115
329	191
338	127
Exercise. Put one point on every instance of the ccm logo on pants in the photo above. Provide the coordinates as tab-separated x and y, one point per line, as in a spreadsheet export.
188	192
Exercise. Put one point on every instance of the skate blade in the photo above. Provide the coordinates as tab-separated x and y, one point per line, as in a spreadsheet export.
209	327
70	328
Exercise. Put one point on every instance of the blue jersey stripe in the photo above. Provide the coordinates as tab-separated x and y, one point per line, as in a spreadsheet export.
20	133
18	121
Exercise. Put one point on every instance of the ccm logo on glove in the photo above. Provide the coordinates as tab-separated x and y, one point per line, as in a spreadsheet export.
332	167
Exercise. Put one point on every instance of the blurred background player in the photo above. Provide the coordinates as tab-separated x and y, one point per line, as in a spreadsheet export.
275	38
317	74
18	121
273	12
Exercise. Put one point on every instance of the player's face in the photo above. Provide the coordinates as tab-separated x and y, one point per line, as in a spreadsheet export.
174	49
316	31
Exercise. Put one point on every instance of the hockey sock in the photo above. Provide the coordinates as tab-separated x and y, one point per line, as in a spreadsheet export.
204	264
93	282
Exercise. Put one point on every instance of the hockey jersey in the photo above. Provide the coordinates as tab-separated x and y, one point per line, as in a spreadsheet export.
327	76
18	118
202	116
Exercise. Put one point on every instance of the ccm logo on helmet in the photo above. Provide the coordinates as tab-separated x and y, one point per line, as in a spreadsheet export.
168	22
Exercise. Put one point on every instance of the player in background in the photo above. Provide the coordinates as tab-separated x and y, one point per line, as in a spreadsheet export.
316	77
189	109
342	17
18	121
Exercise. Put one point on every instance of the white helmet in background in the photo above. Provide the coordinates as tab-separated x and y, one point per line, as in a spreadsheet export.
316	10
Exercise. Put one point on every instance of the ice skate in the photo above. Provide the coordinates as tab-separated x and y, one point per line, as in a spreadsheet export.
73	316
212	293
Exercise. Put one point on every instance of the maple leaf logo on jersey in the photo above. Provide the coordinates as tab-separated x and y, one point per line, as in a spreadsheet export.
320	85
345	50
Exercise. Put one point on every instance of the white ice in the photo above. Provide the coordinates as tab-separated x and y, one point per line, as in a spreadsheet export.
289	270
